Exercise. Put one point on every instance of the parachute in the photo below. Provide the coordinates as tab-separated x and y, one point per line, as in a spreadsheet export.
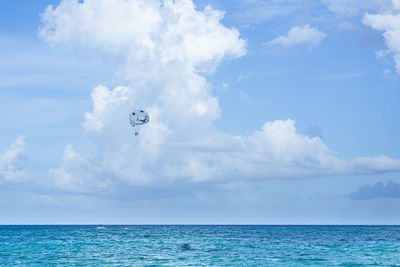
138	118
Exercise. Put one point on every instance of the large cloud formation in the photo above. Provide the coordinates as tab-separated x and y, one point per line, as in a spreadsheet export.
167	47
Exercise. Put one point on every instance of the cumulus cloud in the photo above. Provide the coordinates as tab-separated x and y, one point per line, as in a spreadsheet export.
303	34
149	30
111	22
166	53
389	24
11	159
378	190
76	173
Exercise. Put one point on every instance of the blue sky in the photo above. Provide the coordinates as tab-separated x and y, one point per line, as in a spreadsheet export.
262	112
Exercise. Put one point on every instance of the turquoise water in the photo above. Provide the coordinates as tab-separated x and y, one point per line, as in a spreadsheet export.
200	245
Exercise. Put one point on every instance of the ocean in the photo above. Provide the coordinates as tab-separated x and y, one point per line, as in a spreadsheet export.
199	245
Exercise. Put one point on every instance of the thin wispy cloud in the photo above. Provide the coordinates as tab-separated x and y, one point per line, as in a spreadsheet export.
349	8
339	76
299	35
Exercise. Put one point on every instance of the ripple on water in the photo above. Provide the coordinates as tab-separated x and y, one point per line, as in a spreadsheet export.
200	245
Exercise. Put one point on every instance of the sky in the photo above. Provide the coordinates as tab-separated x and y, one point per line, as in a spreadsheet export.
261	112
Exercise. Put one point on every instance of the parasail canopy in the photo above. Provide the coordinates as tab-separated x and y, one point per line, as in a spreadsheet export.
138	117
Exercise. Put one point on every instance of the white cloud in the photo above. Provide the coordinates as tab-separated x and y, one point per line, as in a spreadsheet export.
303	34
103	100
149	30
276	151
10	162
101	21
76	174
166	53
390	25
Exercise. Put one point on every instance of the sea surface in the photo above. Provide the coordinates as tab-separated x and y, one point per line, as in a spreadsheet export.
199	245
